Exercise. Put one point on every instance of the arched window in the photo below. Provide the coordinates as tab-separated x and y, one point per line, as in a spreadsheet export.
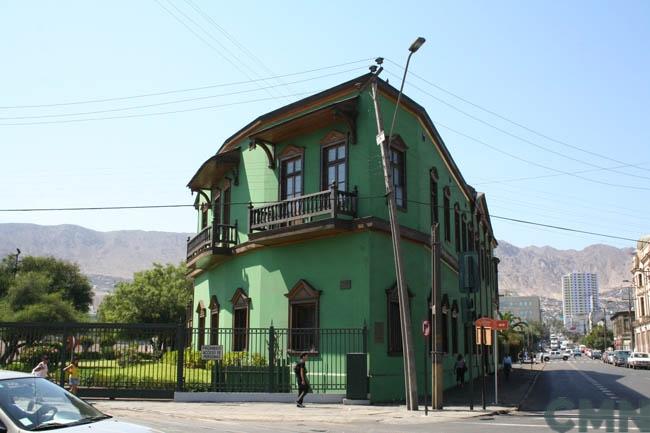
447	215
303	317
433	190
200	311
214	320
240	319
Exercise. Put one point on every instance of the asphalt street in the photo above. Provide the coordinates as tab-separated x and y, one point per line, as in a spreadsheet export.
568	396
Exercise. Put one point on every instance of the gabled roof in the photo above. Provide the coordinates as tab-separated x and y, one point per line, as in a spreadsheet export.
346	92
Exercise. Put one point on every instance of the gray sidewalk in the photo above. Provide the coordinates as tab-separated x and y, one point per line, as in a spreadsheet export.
511	392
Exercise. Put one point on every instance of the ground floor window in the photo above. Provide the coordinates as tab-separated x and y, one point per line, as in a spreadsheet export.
200	311
394	327
214	321
303	317
240	317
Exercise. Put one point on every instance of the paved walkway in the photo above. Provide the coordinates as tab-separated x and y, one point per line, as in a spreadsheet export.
456	408
510	392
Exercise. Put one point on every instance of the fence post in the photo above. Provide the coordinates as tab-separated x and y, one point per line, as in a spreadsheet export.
64	355
180	359
271	386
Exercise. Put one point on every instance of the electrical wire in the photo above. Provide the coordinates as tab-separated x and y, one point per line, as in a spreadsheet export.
520	125
504	218
520	138
178	101
191	89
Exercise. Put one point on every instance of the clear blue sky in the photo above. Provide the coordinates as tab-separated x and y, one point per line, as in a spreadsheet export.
574	71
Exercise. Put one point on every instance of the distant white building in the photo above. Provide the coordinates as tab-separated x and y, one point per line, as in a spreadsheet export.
579	299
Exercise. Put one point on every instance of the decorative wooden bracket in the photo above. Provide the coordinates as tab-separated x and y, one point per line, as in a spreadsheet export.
349	117
205	196
254	142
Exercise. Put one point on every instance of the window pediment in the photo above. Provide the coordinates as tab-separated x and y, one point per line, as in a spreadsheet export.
332	137
290	151
200	309
398	143
214	303
240	299
393	295
303	291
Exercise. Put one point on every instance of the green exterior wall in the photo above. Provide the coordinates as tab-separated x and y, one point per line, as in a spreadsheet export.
365	258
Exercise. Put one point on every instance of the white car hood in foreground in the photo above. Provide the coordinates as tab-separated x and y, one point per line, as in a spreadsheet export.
107	426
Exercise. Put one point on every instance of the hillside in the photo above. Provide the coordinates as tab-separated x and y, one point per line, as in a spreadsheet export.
538	270
116	254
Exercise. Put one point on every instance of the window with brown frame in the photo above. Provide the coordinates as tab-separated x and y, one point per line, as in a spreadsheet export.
204	216
463	230
214	320
446	206
445	324
457	227
433	191
335	162
454	328
398	175
189	323
217	208
303	318
240	317
200	311
226	205
291	178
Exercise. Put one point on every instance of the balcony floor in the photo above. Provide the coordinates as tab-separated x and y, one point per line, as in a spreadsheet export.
301	232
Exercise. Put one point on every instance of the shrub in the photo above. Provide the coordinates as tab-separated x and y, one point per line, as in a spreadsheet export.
33	355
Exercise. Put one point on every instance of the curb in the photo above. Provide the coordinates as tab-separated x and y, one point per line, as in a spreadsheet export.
530	387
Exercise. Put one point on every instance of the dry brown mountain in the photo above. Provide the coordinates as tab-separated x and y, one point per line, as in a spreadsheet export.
538	270
530	270
116	254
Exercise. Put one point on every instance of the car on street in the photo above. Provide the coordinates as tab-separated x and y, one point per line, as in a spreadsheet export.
555	354
596	354
29	403
619	358
638	360
577	353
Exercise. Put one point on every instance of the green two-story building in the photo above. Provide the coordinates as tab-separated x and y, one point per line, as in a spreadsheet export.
293	231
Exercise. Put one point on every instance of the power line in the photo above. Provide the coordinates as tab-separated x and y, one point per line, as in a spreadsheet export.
159	113
520	138
191	89
520	125
568	173
233	40
517	220
178	101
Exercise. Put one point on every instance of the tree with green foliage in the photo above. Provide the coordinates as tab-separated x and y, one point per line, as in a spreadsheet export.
512	339
156	295
41	289
597	339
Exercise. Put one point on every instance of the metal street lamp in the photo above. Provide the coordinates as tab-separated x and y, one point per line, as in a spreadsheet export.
412	49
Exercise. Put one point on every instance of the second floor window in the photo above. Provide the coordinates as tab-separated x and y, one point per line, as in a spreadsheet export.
398	174
335	166
434	200
447	216
291	178
226	206
457	227
204	216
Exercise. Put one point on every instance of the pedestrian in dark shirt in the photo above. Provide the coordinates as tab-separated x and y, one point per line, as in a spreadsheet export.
460	370
301	377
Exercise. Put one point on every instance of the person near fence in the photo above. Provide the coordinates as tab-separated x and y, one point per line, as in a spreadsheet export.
301	376
73	375
42	369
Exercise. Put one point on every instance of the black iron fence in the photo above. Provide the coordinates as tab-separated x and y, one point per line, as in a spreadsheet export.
144	360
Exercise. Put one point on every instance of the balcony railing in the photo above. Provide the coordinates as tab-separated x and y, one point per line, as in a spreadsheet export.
210	238
301	209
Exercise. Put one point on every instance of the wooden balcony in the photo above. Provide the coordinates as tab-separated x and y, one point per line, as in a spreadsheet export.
310	215
217	239
303	209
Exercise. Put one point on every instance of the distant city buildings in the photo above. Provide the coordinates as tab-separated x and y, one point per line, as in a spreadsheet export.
525	307
579	299
641	280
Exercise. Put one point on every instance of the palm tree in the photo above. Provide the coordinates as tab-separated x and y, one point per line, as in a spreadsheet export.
513	336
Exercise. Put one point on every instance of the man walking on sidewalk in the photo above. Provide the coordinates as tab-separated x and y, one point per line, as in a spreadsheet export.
301	376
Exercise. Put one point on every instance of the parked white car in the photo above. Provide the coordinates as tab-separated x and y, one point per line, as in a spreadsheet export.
638	360
29	403
555	354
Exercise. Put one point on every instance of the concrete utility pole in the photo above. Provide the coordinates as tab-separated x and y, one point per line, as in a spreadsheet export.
436	310
405	311
629	311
